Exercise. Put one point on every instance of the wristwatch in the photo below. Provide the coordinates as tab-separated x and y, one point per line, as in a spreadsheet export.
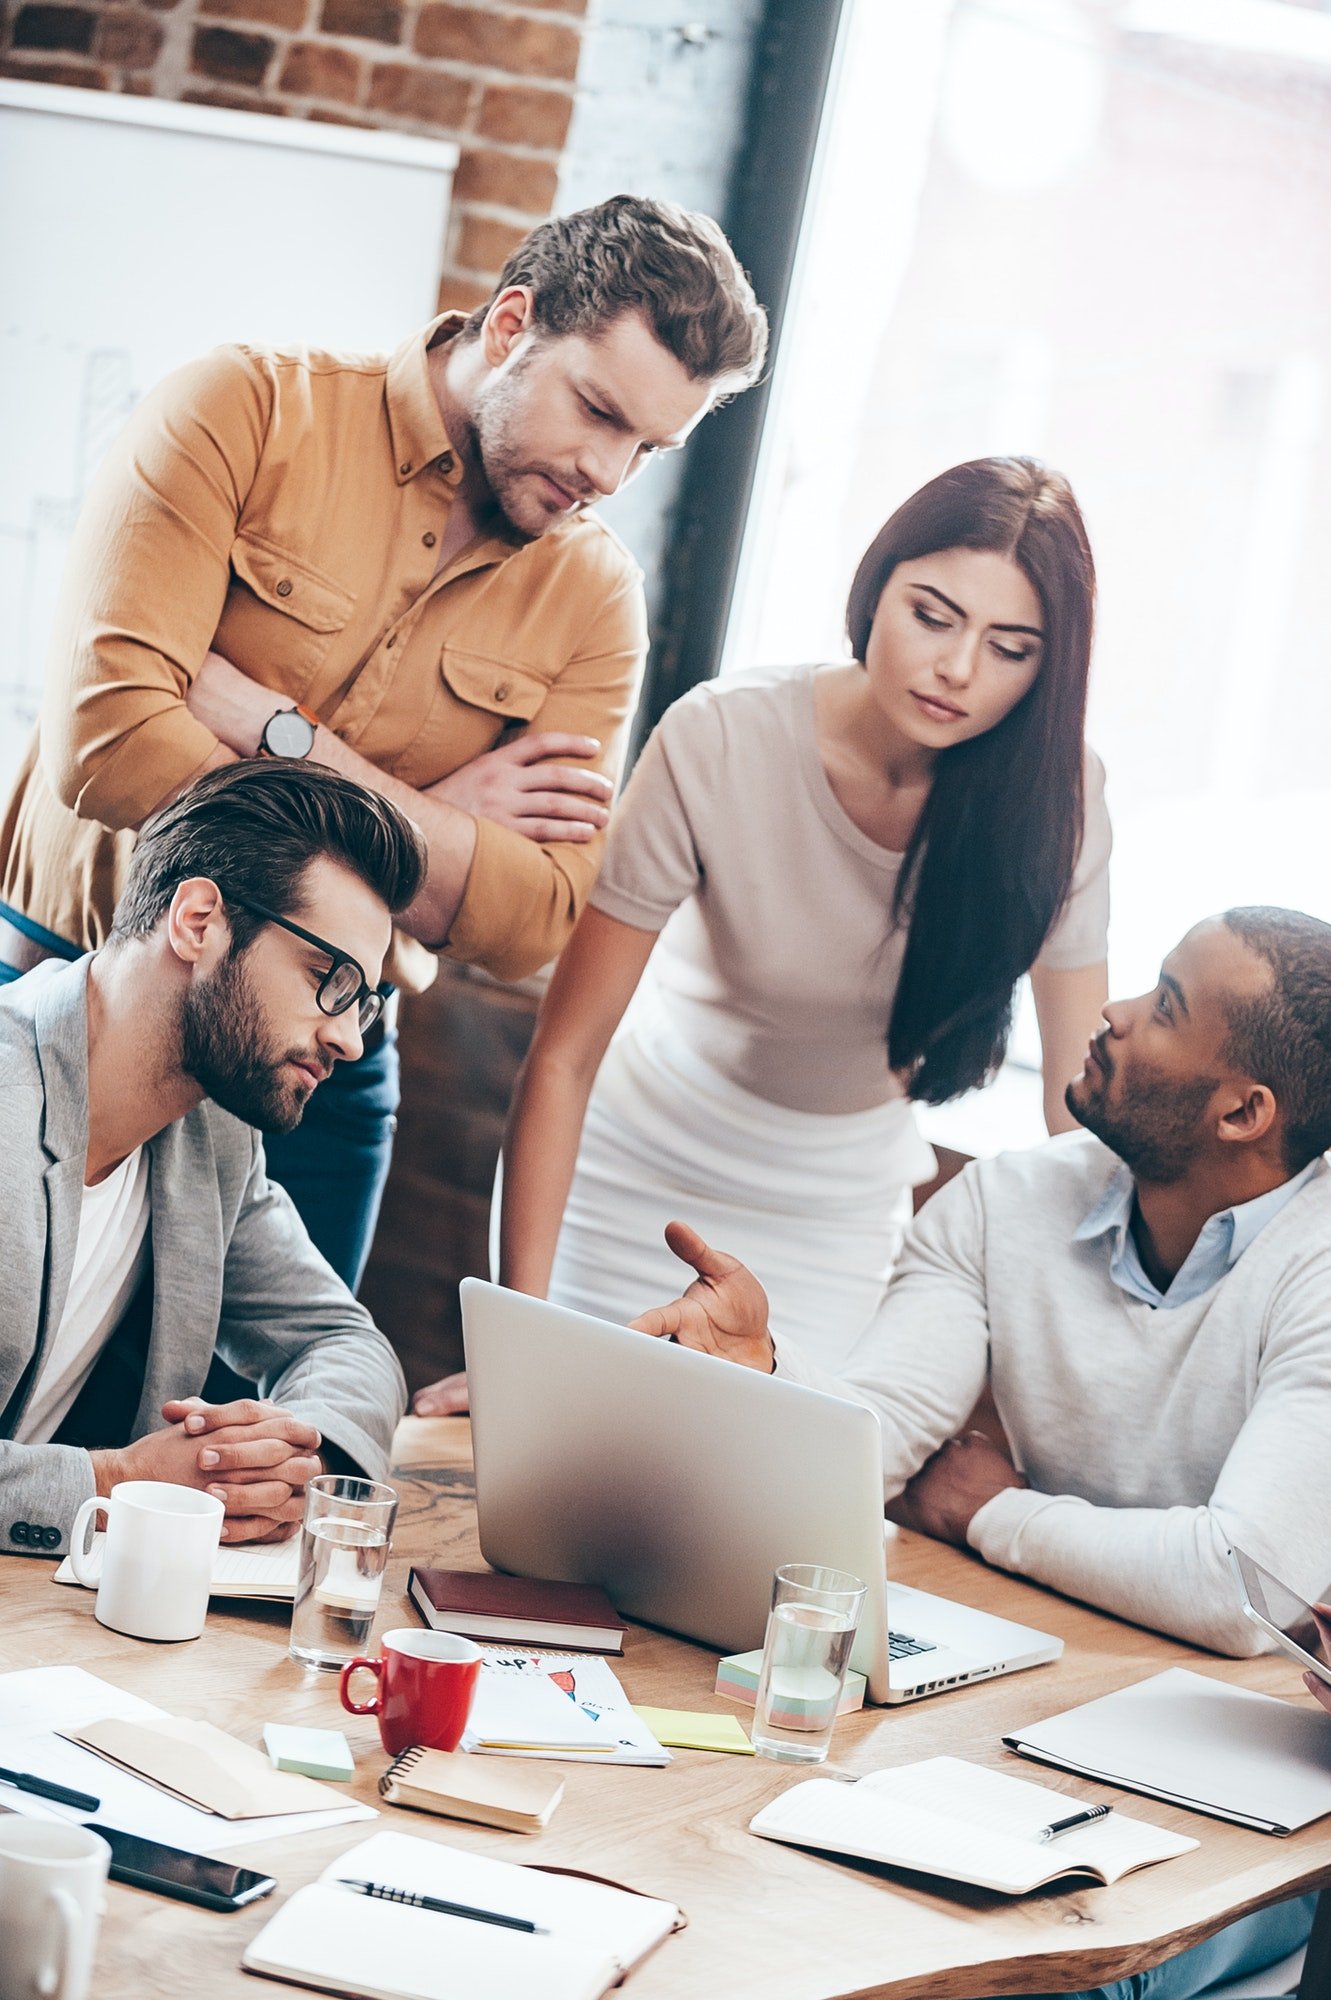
289	733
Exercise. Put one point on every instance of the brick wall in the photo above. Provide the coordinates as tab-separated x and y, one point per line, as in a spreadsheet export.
496	77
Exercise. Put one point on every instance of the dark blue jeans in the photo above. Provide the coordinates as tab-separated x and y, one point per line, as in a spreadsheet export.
335	1163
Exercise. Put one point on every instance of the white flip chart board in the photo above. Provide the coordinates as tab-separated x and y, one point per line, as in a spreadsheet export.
137	233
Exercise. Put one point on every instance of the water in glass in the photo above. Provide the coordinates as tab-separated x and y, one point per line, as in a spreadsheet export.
341	1569
804	1665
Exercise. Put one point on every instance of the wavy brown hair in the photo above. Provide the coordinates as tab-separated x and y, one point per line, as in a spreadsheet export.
629	254
990	863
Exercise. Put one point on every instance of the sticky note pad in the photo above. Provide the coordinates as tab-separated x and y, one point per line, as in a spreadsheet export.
737	1678
316	1753
685	1729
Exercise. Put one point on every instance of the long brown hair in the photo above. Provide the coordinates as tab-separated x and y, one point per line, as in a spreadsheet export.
990	863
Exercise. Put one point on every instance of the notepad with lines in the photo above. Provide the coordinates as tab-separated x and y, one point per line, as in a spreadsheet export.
339	1942
962	1821
263	1570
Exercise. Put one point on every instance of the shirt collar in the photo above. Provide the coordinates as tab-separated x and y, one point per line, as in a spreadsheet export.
1221	1241
415	421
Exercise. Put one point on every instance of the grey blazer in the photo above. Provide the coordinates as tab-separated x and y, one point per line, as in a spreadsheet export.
233	1269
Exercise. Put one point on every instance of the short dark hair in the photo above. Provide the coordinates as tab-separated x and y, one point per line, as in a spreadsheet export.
990	864
629	254
254	828
1283	1039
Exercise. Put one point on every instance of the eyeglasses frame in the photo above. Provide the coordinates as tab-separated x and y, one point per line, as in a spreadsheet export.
364	995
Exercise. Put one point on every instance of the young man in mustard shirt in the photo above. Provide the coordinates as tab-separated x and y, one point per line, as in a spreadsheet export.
388	565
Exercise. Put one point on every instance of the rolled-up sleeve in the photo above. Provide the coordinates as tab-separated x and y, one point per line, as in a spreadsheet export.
144	587
523	897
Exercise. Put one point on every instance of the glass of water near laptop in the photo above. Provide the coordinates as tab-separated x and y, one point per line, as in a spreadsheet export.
344	1543
810	1631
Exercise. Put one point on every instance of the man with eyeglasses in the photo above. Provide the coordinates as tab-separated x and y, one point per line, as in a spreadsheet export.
139	1233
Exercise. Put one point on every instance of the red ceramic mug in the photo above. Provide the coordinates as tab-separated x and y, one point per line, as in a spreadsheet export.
426	1684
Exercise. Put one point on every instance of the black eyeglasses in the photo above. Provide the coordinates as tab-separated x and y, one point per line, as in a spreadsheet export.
344	984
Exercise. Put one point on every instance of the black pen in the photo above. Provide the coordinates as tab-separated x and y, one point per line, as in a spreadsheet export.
43	1788
391	1895
1073	1819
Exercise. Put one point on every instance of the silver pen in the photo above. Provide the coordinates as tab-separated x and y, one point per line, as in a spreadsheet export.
1085	1818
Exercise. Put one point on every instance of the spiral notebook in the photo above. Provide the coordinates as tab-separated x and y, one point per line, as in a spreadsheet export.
459	1786
337	1941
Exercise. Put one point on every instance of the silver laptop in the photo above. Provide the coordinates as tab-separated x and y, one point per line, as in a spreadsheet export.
680	1483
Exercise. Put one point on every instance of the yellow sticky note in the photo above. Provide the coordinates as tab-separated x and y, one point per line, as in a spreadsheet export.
683	1729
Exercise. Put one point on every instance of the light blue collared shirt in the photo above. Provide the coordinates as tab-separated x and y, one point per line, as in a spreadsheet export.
1222	1240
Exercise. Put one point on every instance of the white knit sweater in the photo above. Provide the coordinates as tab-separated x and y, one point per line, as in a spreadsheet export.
1152	1440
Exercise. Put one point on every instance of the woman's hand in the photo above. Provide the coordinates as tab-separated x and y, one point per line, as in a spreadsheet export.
515	787
724	1310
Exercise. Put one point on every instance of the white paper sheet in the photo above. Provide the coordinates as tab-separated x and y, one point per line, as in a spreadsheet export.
38	1700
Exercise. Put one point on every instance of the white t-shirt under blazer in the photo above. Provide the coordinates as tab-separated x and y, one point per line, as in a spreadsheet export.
109	1261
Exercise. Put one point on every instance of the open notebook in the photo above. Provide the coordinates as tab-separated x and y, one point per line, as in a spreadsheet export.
340	1942
946	1817
265	1570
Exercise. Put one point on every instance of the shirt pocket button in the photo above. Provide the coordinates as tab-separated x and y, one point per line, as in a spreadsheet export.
502	690
284	587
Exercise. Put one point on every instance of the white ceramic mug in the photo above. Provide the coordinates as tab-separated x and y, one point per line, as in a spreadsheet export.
51	1901
157	1564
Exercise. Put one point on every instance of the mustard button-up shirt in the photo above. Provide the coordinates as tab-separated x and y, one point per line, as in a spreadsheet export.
283	507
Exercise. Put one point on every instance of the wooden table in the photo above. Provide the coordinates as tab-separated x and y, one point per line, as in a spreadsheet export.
766	1920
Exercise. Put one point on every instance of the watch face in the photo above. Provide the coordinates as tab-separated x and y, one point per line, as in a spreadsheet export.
289	734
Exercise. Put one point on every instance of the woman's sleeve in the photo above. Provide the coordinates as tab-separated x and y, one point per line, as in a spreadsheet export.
658	830
1080	935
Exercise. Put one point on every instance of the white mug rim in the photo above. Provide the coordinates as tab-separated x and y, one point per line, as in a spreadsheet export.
166	1500
406	1640
61	1830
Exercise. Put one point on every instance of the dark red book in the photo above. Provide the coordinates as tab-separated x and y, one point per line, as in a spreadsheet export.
481	1604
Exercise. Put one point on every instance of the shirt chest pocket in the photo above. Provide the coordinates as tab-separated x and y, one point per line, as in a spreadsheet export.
281	616
499	690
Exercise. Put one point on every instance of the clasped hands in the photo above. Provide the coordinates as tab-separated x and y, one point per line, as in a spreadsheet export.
724	1312
255	1457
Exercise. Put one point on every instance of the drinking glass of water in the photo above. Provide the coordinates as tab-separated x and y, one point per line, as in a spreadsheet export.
810	1631
344	1543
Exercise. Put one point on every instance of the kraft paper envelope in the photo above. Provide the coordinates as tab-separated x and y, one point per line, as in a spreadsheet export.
205	1767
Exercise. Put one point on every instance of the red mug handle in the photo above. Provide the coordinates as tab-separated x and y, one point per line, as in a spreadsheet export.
373	1706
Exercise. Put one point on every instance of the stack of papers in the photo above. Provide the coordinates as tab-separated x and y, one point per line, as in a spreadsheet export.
563	1705
39	1702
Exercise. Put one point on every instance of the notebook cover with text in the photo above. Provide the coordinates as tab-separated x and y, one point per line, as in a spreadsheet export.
481	1604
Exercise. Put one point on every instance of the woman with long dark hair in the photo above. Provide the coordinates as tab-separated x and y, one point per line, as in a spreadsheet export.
840	874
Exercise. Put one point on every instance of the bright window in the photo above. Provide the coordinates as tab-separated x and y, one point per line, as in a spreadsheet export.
1098	232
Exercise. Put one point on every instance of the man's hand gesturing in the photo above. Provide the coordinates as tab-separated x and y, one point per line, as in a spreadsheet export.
724	1310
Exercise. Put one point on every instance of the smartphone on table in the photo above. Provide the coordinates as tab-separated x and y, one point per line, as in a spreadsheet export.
1281	1613
173	1871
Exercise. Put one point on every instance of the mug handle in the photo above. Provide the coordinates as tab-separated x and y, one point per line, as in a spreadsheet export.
76	1534
376	1701
54	1977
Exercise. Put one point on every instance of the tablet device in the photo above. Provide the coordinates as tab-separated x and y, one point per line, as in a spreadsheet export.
1281	1613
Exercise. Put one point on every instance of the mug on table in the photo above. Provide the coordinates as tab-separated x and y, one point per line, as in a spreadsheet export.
52	1882
157	1562
427	1681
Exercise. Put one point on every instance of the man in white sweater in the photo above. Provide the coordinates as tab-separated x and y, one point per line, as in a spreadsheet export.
1151	1306
1149	1302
